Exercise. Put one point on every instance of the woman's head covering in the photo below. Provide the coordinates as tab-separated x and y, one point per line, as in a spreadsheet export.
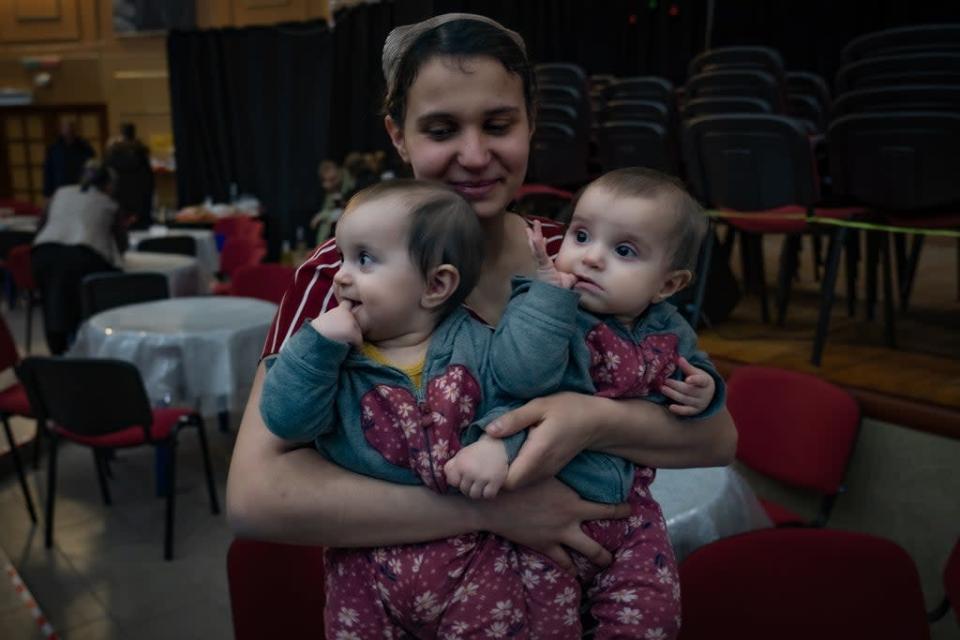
402	38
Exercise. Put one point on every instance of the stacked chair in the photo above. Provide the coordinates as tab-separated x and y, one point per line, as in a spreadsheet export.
636	124
892	141
560	147
243	245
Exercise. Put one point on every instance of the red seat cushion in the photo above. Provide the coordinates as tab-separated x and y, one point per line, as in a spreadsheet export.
221	289
164	420
779	514
938	221
767	222
14	402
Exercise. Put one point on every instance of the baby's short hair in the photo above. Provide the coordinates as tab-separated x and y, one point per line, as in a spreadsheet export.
443	230
640	182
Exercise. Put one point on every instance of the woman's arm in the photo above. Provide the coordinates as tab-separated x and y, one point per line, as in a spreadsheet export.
296	496
564	424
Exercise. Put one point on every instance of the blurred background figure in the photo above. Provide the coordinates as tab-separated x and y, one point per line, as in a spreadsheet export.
337	186
133	191
65	159
82	233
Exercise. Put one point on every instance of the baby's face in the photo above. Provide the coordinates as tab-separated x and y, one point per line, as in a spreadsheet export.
620	250
376	272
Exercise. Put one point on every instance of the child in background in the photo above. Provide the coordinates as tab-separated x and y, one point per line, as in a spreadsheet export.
389	384
633	242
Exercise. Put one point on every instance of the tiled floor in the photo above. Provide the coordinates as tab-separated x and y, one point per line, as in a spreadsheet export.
105	578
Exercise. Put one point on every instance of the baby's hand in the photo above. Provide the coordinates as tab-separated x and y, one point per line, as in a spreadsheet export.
546	271
692	394
479	469
339	324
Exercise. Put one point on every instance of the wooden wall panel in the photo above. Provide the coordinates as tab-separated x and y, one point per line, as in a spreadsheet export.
37	22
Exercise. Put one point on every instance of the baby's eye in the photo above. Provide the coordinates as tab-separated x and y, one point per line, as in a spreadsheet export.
364	259
581	236
626	251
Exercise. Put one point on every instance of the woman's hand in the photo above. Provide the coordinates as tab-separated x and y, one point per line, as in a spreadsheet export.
546	517
561	426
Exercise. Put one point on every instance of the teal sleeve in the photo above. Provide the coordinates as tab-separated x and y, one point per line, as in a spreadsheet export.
531	346
300	388
687	347
476	429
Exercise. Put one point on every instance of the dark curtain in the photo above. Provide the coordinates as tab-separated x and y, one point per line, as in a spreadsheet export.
251	108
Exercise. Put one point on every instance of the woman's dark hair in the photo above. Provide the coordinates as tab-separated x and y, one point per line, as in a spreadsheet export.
97	175
460	39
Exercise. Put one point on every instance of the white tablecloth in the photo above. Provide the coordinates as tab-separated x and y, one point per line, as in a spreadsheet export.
19	223
200	351
183	272
207	255
703	505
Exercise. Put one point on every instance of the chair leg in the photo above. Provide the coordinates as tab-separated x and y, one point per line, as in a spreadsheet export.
852	270
100	463
223	418
29	320
826	293
789	260
910	271
208	467
170	449
888	304
817	256
18	466
873	254
51	490
37	445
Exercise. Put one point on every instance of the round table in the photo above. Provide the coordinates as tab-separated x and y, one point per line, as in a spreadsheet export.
207	255
200	351
703	505
184	274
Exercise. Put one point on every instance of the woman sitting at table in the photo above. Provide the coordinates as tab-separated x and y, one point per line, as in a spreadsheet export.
82	232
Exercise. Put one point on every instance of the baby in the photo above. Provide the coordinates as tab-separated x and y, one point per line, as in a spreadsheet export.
633	242
390	383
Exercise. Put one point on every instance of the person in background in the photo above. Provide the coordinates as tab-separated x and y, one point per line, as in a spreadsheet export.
65	159
82	232
338	186
130	159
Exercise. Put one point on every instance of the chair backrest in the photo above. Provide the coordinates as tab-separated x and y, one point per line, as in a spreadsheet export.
763	58
635	143
246	226
276	590
807	109
640	88
800	583
102	291
557	155
903	161
557	112
724	104
748	83
903	40
910	97
87	396
240	251
181	245
9	356
749	161
915	68
264	281
811	84
19	263
651	110
561	94
793	426
569	72
951	579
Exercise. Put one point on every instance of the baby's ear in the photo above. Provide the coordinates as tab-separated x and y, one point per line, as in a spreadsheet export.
442	282
675	281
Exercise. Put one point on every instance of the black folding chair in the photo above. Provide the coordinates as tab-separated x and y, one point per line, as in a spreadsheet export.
558	156
749	83
903	40
724	104
915	68
636	143
181	245
102	291
649	110
763	58
102	404
910	97
640	88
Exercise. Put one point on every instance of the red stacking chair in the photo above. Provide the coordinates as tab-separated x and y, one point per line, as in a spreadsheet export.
21	207
951	586
264	281
14	402
19	265
242	226
795	428
237	252
276	590
101	404
793	584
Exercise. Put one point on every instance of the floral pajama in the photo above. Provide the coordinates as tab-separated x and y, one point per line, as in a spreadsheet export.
481	586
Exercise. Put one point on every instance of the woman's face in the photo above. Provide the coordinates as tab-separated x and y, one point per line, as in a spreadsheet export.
466	125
